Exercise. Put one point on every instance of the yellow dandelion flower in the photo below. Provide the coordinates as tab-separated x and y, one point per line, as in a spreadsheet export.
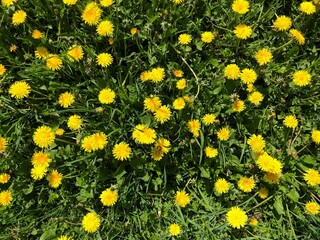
178	1
307	7
43	136
263	193
41	53
2	69
59	132
104	59
106	3
178	73
236	217
272	178
301	78
20	89
182	198
174	229
3	144
263	56
184	38
109	197
74	122
19	17
179	103
269	164
4	178
157	154
100	140
240	6
255	98
297	35
242	31
55	179
312	177
211	152
207	37
145	76
105	28
282	23
70	2
75	53
312	208
194	127
133	31
143	134
162	144
221	186
8	3
315	135
5	198
238	105
91	13
223	134
290	121
66	99
13	48
208	119
121	151
106	96
250	87
40	158
232	71
257	143
64	237
157	74
248	76
246	184
181	84
152	103
38	172
54	62
162	114
253	222
36	34
91	222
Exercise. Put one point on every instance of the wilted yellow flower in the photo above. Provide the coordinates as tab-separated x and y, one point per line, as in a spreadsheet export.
109	197
133	31
41	53
253	222
13	48
263	193
184	38
282	23
272	178
182	198
19	17
243	31
20	89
